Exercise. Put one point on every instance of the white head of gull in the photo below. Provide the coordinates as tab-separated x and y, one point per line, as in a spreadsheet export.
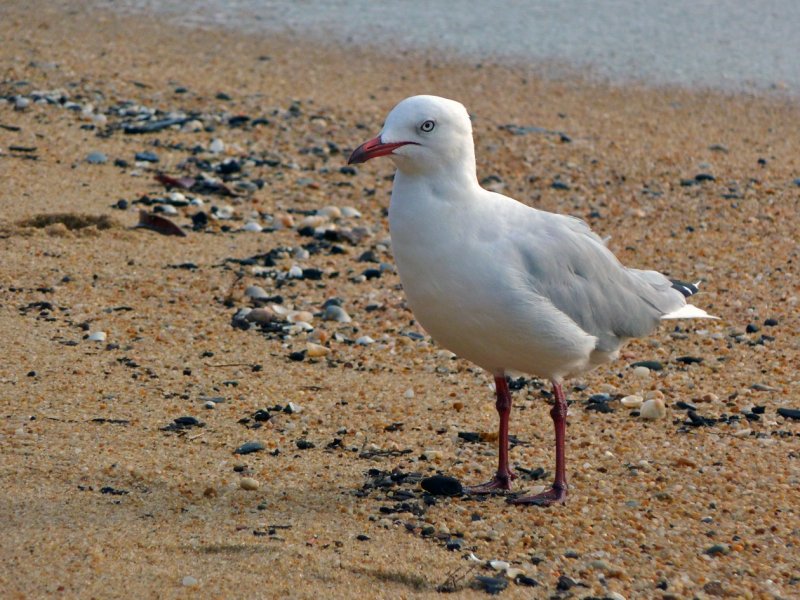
504	285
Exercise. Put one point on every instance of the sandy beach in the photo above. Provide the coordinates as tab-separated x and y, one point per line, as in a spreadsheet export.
111	332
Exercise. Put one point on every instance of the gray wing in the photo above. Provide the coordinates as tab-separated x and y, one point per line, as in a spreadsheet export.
569	265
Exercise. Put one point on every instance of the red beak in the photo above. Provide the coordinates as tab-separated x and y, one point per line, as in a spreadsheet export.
372	149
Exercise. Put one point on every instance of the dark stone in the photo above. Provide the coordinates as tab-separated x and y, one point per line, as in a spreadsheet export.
369	256
689	360
114	492
789	413
152	126
770	322
526	581
455	544
222	96
229	166
249	448
559	185
472	437
372	273
442	485
151	157
312	274
304	444
31	373
685	405
297	356
759	410
700	177
187	422
238	120
348	170
199	220
491	585
362	538
565	583
121	204
653	365
751	328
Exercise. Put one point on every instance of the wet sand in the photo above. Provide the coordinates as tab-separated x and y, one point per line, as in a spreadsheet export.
98	500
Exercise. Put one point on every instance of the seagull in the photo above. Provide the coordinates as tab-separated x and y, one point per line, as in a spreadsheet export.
504	285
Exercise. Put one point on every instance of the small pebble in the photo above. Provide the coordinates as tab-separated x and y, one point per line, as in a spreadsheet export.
365	340
249	484
97	336
189	581
216	146
249	448
151	157
442	485
653	409
491	585
641	371
499	565
96	158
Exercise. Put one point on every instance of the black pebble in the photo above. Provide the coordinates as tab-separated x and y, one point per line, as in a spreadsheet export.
565	583
685	405
455	544
689	360
526	581
372	273
297	356
442	485
789	413
199	220
704	177
151	157
121	204
491	585
304	444
348	171
362	538
187	421
751	328
559	185
31	373
770	322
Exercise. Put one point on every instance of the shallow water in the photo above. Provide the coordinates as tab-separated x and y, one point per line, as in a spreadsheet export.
731	45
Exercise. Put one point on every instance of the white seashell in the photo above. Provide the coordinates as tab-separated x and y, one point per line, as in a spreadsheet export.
332	212
300	315
409	393
295	272
349	211
279	310
252	226
499	565
632	402
336	313
224	213
653	409
97	336
300	253
641	372
216	146
177	197
311	221
256	291
168	209
365	340
432	454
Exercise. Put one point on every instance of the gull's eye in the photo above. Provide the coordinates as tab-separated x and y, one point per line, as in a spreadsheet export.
427	126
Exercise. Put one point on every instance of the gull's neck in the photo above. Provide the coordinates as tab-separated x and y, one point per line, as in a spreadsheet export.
449	182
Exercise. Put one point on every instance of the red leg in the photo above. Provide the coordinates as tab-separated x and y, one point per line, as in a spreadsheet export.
557	494
504	476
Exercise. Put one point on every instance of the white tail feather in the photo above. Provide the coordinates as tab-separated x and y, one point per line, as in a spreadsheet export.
689	311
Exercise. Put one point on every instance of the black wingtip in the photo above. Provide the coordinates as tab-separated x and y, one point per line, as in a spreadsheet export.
687	289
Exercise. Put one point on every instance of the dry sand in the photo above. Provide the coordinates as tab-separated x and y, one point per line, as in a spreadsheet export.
92	507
